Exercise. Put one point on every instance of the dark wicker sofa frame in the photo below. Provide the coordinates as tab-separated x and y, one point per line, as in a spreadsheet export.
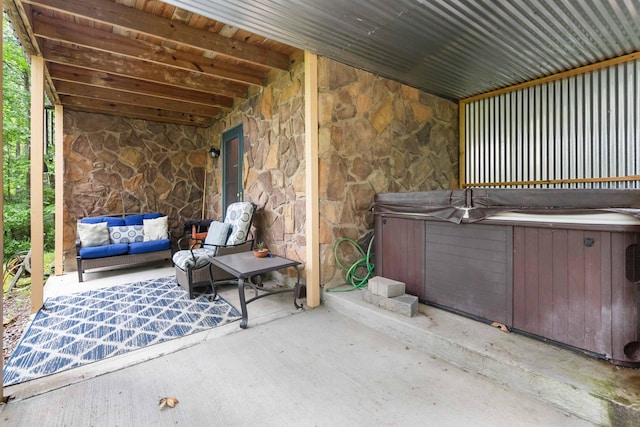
123	261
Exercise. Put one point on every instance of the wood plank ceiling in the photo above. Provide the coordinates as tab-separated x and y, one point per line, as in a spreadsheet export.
144	58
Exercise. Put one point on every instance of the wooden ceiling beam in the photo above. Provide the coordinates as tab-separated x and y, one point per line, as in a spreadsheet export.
110	95
132	19
66	31
106	80
136	68
89	105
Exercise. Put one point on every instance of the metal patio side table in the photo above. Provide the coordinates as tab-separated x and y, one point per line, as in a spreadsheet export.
244	265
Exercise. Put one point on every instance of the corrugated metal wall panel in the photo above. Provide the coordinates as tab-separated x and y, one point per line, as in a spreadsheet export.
452	48
577	128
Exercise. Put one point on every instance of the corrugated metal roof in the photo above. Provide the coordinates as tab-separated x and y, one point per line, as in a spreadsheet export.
452	48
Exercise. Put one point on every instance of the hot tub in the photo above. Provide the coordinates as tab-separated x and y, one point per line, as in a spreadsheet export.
558	265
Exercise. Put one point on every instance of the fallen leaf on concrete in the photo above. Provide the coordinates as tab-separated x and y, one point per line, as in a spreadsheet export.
502	327
168	401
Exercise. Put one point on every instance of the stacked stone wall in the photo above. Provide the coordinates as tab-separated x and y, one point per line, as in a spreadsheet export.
114	165
273	161
376	136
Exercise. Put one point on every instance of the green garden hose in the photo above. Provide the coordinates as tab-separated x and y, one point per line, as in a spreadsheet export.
358	274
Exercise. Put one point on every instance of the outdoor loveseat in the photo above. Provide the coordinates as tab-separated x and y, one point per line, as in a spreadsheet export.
121	240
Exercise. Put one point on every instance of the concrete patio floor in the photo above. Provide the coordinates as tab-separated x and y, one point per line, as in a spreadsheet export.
345	363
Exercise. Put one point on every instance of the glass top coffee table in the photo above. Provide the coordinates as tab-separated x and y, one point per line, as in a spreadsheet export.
244	265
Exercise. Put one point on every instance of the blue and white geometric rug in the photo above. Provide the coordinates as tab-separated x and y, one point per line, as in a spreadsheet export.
74	330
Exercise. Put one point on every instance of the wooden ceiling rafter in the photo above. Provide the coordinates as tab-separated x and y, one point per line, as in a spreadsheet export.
102	79
64	31
144	59
128	98
129	67
138	21
133	112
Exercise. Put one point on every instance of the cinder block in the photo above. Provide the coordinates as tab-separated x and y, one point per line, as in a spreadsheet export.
370	298
407	305
384	287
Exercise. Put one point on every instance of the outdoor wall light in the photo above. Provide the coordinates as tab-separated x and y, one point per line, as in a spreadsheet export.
214	152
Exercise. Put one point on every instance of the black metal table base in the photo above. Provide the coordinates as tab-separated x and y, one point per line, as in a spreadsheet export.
266	292
244	266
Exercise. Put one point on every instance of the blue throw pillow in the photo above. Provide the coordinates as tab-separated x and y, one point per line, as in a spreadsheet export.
134	219
111	221
218	233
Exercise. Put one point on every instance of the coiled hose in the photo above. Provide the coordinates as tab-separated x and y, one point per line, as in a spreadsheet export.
358	274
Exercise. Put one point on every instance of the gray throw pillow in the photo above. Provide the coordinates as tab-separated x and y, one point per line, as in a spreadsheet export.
93	234
155	229
217	234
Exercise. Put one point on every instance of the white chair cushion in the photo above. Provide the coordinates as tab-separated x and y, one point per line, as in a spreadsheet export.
239	216
184	259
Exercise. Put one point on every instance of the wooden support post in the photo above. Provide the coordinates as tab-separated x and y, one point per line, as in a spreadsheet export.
37	184
462	156
59	147
312	265
1	222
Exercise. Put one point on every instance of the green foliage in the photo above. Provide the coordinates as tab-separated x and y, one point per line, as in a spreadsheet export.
16	228
16	116
16	136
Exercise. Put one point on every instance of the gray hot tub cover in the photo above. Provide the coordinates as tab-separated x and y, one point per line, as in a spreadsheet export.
479	203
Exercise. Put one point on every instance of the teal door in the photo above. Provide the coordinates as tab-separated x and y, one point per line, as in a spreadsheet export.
232	154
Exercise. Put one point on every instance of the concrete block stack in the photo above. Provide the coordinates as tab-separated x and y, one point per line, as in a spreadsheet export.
390	295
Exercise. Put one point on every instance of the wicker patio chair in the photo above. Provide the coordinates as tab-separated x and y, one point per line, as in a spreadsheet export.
230	236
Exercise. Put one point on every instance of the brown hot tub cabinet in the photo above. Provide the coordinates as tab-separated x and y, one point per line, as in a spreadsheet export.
560	265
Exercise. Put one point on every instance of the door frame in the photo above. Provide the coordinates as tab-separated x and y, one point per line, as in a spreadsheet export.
229	135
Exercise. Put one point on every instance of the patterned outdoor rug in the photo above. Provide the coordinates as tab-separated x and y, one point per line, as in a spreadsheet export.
74	330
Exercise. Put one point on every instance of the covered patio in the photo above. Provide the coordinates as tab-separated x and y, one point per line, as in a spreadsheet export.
337	102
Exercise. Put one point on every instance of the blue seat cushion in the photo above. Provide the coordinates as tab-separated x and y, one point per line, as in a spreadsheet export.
110	220
104	251
150	246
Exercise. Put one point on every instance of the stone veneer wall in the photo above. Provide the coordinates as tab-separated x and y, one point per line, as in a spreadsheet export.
114	165
376	136
273	161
